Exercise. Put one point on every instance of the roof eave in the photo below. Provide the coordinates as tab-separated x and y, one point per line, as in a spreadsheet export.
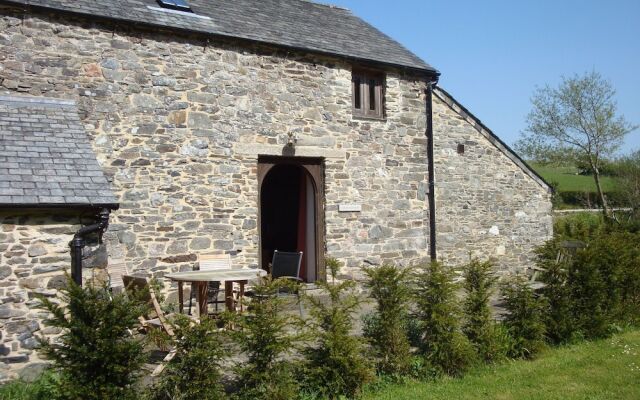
505	147
429	72
24	206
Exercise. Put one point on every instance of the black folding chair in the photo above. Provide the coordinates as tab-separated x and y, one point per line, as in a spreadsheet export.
287	265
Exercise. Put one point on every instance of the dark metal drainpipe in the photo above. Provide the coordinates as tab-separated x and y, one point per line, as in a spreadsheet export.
78	242
431	194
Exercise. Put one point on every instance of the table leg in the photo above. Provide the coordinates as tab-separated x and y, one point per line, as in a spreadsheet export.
201	295
241	295
180	297
228	294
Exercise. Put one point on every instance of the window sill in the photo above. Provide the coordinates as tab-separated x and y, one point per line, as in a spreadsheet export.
367	118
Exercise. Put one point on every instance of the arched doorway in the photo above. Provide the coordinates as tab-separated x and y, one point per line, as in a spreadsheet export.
292	212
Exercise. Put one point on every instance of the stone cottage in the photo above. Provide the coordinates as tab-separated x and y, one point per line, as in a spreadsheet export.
241	127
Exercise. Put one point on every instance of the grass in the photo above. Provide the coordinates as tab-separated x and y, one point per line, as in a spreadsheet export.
41	389
605	369
569	181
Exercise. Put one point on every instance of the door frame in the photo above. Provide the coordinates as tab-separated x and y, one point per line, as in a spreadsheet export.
315	168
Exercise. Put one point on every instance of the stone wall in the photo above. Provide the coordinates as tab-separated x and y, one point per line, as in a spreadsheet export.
178	123
34	253
487	206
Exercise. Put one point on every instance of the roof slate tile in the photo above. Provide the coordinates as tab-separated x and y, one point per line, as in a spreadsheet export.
47	172
298	24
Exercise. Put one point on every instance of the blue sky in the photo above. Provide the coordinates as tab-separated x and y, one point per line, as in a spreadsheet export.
493	53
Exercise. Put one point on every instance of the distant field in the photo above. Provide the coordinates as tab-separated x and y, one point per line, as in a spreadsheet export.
569	180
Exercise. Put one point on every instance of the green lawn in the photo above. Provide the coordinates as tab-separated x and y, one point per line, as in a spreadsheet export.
607	369
569	181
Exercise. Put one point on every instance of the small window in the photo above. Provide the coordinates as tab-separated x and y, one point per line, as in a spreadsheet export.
368	94
180	5
460	148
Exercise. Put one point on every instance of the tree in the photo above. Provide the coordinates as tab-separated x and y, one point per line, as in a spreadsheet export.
335	364
525	318
196	370
628	173
443	345
387	332
579	118
96	356
478	324
267	335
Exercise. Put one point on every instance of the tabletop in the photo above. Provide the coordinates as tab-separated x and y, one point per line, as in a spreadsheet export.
218	275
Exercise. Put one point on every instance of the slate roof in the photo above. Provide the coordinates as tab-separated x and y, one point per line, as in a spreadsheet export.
297	24
46	158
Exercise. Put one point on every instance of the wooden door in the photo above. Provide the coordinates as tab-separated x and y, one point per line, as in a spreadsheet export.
315	169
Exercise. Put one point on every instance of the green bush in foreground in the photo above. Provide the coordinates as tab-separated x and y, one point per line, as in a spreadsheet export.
478	325
560	317
387	332
604	280
195	371
335	365
267	334
44	388
443	344
524	320
594	290
96	357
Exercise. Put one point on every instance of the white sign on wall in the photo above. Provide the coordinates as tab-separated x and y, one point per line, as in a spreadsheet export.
350	207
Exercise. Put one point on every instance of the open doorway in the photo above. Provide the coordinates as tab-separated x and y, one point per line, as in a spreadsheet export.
291	212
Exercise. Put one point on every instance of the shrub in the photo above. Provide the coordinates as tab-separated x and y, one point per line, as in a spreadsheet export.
524	320
605	283
593	291
629	264
443	345
559	320
265	335
387	333
479	326
43	388
96	356
194	372
628	172
560	317
578	226
335	364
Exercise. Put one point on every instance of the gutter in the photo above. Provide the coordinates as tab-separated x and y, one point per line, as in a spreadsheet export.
68	206
78	243
431	170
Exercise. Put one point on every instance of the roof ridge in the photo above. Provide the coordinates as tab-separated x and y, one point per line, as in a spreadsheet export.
327	5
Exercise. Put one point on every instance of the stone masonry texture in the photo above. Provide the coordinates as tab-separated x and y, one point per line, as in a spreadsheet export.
177	123
486	205
34	252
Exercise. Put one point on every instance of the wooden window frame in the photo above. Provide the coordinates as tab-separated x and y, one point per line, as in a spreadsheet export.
360	79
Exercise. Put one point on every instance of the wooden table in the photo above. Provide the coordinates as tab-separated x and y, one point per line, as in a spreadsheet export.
201	279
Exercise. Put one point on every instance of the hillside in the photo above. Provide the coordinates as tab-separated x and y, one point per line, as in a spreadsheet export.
569	180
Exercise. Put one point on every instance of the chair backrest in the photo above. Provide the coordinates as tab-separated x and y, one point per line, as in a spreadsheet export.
139	287
209	262
286	264
116	271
